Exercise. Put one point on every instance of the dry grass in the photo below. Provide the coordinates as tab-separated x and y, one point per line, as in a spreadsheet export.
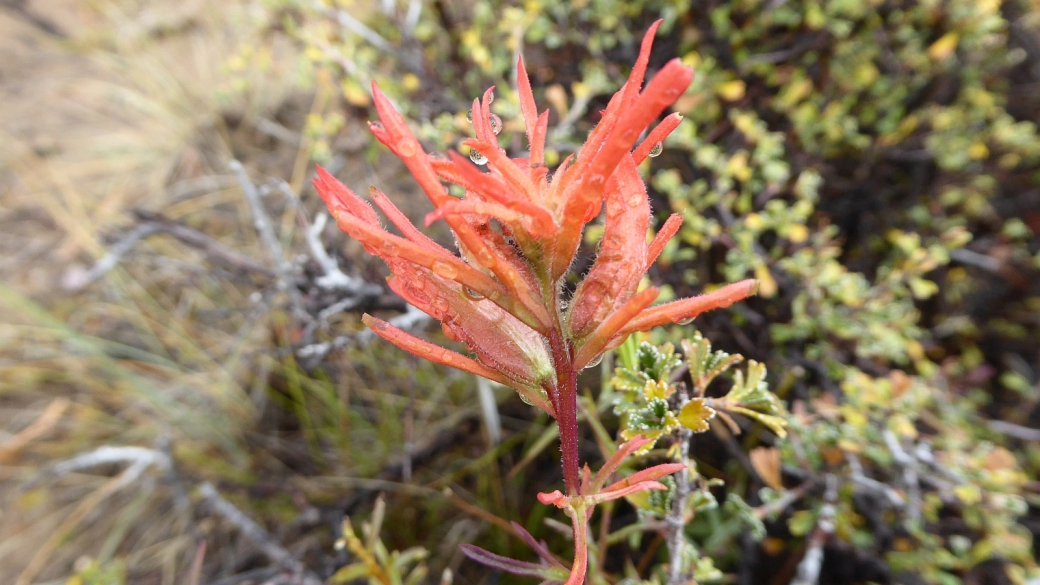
132	105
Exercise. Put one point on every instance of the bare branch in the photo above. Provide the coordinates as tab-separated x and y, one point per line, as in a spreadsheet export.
1013	430
676	518
359	28
809	568
283	269
75	280
334	278
140	458
275	552
908	464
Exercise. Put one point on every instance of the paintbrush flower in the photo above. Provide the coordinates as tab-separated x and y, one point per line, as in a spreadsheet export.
518	230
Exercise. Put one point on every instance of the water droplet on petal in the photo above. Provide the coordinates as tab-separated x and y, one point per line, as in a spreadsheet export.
496	123
484	257
448	332
444	269
406	148
477	158
469	116
472	294
595	362
635	200
656	150
685	321
491	98
377	126
441	307
438	156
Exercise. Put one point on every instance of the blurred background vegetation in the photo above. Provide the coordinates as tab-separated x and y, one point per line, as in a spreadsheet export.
166	365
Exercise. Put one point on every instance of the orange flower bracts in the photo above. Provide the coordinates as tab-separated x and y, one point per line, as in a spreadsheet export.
517	230
501	297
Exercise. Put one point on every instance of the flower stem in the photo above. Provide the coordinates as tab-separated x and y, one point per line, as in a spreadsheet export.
566	409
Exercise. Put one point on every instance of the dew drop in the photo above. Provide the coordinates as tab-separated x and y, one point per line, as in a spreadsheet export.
635	200
491	98
469	116
685	321
438	156
444	269
448	332
376	126
472	294
496	123
477	158
484	257
595	362
406	149
440	307
388	247
656	150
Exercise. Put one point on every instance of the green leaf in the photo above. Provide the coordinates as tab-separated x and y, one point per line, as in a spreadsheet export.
349	573
695	415
739	508
704	364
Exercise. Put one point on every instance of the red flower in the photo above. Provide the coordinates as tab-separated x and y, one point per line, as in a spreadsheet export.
501	297
517	231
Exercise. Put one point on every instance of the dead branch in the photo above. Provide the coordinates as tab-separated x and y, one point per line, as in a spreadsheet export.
334	278
253	532
46	421
152	224
809	568
1012	430
283	269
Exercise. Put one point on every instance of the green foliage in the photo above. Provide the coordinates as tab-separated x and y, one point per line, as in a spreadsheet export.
868	164
92	572
374	561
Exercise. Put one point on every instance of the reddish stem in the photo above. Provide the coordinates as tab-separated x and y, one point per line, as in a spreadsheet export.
566	408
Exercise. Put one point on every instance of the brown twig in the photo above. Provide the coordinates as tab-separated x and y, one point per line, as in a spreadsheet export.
151	224
45	422
253	532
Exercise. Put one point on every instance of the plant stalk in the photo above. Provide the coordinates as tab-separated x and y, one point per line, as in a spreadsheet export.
676	518
566	409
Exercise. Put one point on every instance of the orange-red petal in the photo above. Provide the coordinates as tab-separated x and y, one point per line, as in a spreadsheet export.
621	261
601	338
430	351
339	198
670	227
684	309
656	136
